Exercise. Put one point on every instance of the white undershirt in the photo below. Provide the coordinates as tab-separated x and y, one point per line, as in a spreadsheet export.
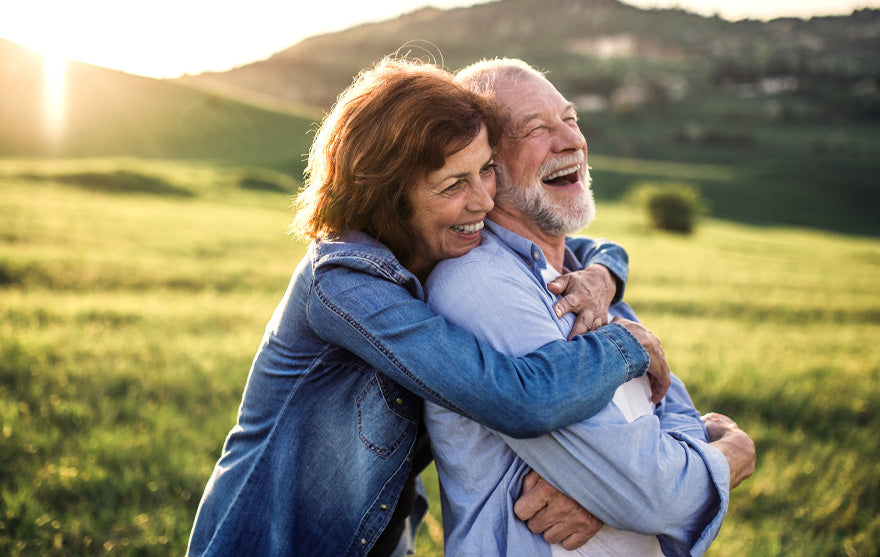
633	398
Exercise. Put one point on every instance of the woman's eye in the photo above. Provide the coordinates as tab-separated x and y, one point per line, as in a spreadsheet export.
453	188
489	169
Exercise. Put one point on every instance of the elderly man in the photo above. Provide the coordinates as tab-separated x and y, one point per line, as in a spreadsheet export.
657	475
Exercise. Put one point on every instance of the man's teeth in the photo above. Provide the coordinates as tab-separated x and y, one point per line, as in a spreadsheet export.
563	172
468	228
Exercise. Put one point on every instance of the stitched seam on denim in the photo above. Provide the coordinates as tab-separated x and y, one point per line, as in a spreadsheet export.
379	346
383	452
622	349
382	263
394	408
369	370
355	548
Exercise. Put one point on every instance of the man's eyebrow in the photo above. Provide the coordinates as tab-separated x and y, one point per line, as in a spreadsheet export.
525	120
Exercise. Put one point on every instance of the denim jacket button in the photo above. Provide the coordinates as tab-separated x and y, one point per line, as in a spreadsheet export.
363	541
399	400
383	507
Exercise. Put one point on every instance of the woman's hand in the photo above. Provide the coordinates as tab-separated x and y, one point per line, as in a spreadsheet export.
588	294
658	370
552	513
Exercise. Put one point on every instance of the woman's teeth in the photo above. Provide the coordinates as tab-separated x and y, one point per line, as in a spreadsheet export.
468	228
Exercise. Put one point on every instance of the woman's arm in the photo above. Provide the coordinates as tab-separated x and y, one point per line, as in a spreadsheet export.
385	325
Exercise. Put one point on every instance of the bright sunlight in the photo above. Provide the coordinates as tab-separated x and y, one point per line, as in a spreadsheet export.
54	95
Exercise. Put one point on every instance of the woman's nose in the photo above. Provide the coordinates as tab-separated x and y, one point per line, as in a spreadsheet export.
483	196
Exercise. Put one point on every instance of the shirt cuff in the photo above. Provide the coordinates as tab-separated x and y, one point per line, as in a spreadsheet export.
719	472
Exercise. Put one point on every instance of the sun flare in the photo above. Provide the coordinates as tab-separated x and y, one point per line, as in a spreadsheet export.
54	95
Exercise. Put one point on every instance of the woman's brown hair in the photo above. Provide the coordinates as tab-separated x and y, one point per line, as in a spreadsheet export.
396	123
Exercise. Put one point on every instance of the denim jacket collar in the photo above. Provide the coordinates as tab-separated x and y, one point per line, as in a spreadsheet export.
359	251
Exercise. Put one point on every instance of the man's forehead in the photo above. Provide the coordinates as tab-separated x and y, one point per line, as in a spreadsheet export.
530	97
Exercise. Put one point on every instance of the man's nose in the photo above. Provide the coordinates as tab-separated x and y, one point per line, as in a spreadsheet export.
568	137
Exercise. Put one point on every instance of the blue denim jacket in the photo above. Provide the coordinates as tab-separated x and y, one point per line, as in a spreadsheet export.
328	429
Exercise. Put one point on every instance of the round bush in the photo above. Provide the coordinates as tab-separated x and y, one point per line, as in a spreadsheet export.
670	206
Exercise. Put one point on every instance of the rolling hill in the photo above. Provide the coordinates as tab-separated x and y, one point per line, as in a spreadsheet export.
775	122
790	107
591	47
112	113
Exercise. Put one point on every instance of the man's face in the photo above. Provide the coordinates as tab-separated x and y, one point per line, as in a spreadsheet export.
542	162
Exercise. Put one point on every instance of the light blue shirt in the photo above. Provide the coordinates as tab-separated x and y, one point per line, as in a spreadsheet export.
656	475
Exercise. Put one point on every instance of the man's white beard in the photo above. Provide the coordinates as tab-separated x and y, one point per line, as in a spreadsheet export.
551	216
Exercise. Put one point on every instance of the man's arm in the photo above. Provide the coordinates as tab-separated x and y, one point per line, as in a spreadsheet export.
635	477
737	446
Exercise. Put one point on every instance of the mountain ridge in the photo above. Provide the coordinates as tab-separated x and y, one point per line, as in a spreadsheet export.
586	38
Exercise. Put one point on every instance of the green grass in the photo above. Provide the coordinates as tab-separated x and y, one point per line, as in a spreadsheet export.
128	321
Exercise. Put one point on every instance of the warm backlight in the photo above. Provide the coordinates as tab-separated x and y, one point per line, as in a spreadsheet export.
54	95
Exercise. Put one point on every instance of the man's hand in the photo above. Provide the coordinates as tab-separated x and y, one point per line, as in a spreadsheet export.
550	512
734	443
658	371
586	293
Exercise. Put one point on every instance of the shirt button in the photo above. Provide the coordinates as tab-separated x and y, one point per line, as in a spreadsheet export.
399	400
536	255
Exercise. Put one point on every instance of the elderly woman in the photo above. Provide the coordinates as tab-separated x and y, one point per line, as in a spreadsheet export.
327	446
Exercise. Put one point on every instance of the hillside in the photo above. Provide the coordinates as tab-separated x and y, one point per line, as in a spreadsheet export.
595	48
788	108
112	113
781	116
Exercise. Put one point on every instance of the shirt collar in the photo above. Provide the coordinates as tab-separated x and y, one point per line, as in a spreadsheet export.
529	250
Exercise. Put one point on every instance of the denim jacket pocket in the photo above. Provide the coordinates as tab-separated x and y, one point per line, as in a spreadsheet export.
386	414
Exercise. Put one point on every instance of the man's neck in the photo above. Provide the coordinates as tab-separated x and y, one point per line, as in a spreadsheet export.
515	221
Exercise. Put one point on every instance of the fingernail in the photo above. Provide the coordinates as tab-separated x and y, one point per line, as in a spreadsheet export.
558	312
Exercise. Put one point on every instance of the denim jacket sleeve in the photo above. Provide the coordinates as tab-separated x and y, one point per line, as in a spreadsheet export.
603	252
382	322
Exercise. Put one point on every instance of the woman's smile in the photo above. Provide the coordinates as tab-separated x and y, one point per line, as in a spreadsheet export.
450	205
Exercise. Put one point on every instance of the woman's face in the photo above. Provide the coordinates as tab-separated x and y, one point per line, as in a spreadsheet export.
450	205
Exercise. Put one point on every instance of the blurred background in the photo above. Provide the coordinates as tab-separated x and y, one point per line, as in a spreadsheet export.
149	152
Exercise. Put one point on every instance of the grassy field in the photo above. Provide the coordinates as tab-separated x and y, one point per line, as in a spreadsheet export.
133	295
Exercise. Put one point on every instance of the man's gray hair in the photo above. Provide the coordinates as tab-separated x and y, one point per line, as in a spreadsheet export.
483	76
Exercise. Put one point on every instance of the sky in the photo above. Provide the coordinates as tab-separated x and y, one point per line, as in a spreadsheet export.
167	38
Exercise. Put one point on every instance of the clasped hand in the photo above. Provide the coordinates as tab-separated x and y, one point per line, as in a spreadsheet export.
588	294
